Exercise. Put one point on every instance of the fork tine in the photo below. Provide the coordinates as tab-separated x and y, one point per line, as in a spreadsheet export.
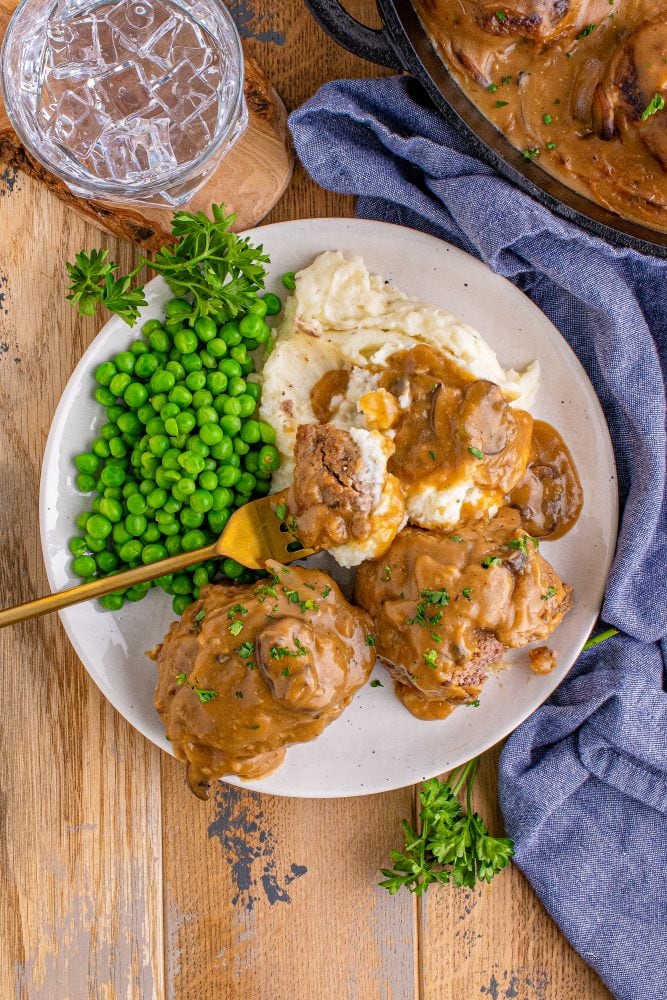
253	534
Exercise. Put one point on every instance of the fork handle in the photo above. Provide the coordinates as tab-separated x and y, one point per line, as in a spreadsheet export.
108	585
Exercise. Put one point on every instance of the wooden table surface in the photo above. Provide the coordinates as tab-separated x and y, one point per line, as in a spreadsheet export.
115	882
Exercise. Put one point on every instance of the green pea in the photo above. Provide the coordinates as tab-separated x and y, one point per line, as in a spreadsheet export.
202	397
239	354
85	462
186	421
195	381
112	602
230	367
95	505
217	348
267	432
190	518
77	546
232	407
192	540
168	411
263	334
201	501
135	524
107	561
84	566
289	280
236	386
151	534
246	483
185	341
158	401
153	553
130	551
104	397
168	528
172	506
177	307
216	382
269	458
217	519
192	463
105	372
222	497
228	475
111	509
232	569
154	426
101	448
208	480
250	462
162	381
159	340
247	405
210	433
107	431
163	516
112	475
150	325
273	304
159	444
182	584
230	424
240	446
166	477
145	486
120	535
117	447
135	395
231	334
262	487
207	360
180	603
253	389
146	365
138	348
136	593
258	308
223	450
207	415
82	520
176	369
181	396
205	328
250	325
191	362
113	492
129	423
125	362
95	544
119	383
200	576
149	464
250	432
248	368
156	498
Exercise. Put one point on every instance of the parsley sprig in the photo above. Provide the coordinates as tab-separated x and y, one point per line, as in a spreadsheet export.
219	270
452	845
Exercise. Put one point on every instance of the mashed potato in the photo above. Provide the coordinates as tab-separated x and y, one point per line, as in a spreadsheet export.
342	317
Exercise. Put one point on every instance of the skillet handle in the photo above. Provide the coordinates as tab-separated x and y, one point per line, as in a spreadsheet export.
373	44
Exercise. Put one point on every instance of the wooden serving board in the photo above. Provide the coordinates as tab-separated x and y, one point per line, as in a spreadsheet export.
249	180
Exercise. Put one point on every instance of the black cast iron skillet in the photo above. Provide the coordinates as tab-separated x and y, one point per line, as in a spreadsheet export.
403	44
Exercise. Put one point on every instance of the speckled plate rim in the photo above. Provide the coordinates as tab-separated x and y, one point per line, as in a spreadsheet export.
375	745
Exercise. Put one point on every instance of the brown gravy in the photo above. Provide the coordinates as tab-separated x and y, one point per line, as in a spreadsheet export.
549	497
569	82
250	670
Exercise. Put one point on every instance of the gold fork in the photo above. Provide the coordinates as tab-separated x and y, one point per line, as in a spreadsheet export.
252	535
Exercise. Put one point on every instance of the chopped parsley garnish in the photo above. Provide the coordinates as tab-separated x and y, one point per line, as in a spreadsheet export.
531	154
490	561
656	104
285	672
292	523
476	453
181	679
309	605
467	593
235	627
518	543
311	586
549	593
551	145
500	16
246	649
370	640
238	609
422	619
588	30
431	659
502	104
326	591
292	595
492	88
252	727
205	695
376	683
473	704
547	119
263	592
238	694
557	101
437	597
280	652
455	538
280	511
506	80
386	574
432	455
198	619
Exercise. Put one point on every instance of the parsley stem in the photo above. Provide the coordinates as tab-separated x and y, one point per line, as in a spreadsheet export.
602	637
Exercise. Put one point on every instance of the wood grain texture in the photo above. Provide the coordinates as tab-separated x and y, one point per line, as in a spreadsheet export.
114	881
249	180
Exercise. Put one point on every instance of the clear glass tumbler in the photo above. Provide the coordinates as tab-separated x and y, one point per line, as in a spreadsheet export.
136	100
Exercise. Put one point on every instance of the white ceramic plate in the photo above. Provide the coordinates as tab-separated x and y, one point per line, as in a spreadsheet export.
376	745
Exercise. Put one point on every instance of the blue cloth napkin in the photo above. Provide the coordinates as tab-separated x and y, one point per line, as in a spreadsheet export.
583	783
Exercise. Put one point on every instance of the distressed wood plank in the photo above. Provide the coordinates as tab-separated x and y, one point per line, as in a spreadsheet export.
80	844
497	941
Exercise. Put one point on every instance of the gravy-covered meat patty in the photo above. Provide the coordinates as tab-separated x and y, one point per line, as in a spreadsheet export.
250	670
446	605
342	498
